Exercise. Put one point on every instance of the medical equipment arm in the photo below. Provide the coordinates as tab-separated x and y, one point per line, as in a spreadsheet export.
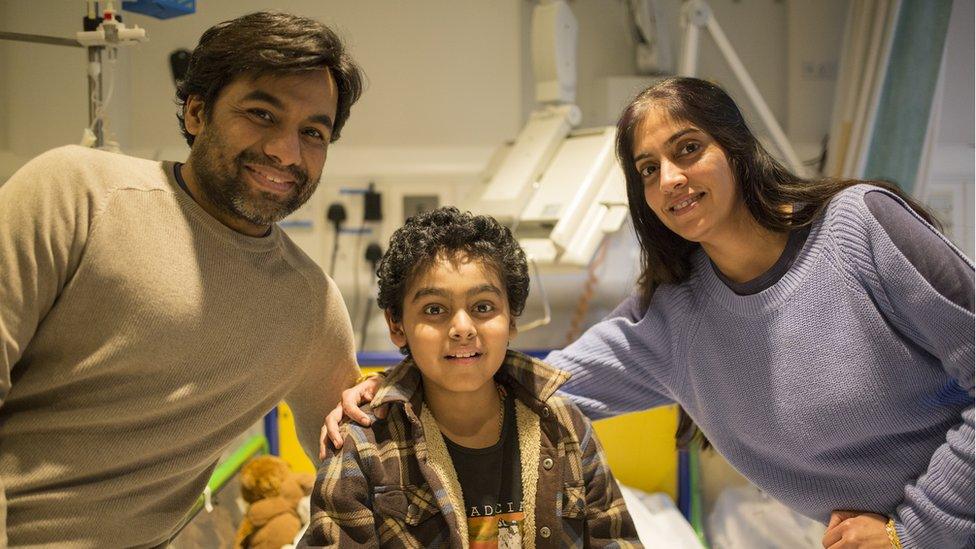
697	15
937	509
554	31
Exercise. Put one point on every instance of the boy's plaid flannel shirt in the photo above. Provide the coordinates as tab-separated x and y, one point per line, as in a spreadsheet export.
393	484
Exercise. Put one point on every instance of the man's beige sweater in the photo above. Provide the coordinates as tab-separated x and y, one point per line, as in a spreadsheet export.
138	337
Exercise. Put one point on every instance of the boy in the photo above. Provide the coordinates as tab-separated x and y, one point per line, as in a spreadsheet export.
476	451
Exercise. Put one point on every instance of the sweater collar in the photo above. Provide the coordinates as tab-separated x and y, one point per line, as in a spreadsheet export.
771	298
196	213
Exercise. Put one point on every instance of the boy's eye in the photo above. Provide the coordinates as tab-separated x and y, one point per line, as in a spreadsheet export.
433	310
484	308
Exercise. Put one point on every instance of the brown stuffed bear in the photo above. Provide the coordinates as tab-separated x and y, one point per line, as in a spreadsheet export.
273	492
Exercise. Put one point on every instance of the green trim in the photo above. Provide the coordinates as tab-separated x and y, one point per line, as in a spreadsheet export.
257	444
694	466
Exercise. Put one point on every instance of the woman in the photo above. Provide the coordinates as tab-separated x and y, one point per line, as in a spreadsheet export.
820	333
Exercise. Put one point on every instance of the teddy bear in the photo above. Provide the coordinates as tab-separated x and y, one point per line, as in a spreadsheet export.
273	493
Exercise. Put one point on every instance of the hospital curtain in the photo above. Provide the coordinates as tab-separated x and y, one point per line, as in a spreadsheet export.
910	85
889	68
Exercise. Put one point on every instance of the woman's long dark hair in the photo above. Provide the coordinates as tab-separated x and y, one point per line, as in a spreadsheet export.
779	200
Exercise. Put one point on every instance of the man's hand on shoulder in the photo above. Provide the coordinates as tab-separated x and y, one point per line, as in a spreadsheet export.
348	407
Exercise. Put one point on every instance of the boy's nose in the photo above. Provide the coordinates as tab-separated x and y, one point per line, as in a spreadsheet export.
462	327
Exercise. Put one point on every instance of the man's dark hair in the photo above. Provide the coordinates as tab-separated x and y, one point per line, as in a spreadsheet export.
265	43
447	232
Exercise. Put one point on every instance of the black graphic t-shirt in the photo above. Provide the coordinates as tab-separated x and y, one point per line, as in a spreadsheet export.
491	481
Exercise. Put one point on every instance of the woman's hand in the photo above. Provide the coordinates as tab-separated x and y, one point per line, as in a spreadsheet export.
351	399
854	530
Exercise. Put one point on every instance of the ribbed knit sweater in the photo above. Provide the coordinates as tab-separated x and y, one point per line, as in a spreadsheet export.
138	337
847	384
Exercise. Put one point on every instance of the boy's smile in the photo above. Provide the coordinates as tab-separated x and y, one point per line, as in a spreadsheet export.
457	324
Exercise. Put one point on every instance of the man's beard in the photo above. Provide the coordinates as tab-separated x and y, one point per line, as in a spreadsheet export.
222	180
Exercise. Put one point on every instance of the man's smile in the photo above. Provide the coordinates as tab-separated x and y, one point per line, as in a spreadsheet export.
269	178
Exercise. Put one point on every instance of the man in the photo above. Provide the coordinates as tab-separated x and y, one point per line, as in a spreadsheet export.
151	312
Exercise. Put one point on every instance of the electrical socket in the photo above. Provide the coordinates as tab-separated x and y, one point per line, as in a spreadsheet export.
818	71
414	204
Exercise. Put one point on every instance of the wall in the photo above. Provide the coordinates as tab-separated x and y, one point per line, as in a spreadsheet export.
757	30
441	72
950	183
4	97
816	31
449	81
957	124
43	87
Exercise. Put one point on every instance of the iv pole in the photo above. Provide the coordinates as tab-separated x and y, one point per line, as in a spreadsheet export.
697	14
107	30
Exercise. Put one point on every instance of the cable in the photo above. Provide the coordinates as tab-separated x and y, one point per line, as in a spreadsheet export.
373	255
372	215
575	325
102	104
336	215
356	283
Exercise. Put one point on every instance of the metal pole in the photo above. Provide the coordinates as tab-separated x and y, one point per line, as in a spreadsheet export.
95	93
40	39
779	137
694	14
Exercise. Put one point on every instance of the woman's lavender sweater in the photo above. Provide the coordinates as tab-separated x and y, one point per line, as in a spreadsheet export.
847	384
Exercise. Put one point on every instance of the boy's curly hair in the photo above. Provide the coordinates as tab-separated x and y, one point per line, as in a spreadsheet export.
447	231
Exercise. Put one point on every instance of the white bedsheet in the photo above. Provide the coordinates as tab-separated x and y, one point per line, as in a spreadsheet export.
658	521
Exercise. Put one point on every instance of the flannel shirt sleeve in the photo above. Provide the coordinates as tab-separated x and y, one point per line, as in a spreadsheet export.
608	523
341	503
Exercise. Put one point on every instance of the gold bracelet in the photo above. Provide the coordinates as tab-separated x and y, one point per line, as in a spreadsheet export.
892	534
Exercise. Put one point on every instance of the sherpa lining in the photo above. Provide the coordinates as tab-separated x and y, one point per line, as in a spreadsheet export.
530	445
440	462
529	431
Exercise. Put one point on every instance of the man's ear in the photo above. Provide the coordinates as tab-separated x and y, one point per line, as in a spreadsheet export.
396	330
193	115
